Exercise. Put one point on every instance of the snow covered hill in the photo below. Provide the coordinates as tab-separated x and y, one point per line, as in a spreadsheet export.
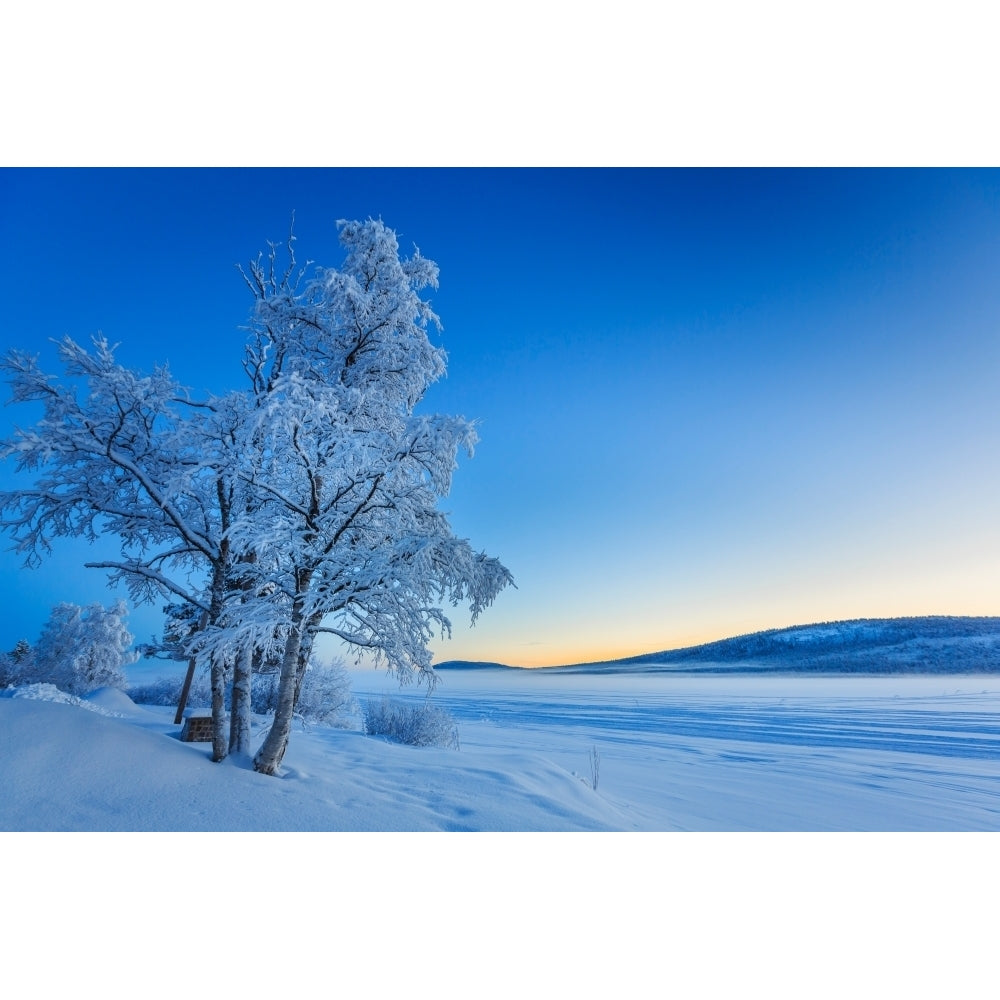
928	645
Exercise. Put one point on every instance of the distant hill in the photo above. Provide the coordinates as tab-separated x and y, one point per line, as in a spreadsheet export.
929	645
472	665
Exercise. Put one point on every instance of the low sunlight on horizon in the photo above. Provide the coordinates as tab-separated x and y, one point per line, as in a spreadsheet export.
710	401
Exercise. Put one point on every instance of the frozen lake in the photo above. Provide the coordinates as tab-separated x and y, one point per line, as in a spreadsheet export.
746	752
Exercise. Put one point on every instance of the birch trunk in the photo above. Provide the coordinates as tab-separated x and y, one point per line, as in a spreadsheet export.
268	758
239	721
239	724
220	742
305	653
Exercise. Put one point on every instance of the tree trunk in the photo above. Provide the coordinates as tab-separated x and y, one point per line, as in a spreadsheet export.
185	691
220	586
305	653
239	720
268	758
220	742
189	676
239	726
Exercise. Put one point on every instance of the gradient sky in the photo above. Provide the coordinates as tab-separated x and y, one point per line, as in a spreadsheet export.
710	401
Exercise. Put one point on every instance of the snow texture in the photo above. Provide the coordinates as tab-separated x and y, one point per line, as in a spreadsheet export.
677	753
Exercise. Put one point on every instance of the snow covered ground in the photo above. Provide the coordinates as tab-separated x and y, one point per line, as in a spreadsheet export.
752	752
630	915
702	753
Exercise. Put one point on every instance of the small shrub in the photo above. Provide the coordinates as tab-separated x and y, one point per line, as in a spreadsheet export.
325	695
422	725
167	691
324	698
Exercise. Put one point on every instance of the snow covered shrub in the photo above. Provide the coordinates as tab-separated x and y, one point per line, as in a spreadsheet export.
82	649
325	693
422	725
167	691
324	697
164	691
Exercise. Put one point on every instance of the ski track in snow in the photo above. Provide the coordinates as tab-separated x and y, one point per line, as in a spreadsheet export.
973	735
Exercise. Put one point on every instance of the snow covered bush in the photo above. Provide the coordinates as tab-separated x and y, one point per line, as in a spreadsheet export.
326	693
82	649
167	691
422	725
324	697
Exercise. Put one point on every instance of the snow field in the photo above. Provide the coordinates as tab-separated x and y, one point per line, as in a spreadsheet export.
537	913
753	752
674	753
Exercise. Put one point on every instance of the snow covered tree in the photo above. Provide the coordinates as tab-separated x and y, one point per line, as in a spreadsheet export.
16	664
305	503
346	475
128	455
21	651
82	649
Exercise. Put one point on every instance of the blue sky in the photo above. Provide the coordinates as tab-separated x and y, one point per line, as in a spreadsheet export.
710	401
